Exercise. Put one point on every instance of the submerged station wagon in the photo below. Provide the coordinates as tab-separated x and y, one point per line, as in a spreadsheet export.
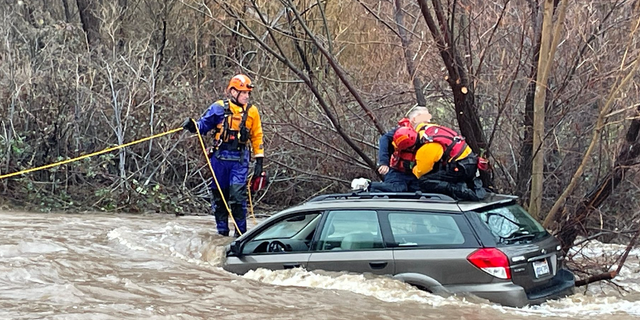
492	248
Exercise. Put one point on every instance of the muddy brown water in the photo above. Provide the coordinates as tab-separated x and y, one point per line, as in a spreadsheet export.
119	266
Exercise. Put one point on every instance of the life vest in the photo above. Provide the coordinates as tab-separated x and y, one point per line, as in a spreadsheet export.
403	161
234	134
453	143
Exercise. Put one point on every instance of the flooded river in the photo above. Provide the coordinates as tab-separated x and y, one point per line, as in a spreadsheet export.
96	266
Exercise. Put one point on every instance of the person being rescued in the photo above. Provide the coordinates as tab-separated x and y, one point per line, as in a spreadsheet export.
436	155
396	157
445	164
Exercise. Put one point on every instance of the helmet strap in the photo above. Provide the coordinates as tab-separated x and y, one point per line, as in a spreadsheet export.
234	99
415	145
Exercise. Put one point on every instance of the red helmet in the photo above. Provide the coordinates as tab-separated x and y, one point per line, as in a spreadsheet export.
241	83
404	122
405	138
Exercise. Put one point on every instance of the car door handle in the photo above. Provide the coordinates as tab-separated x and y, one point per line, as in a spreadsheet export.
291	265
378	264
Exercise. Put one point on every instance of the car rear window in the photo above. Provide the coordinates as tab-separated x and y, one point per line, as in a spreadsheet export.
512	224
420	229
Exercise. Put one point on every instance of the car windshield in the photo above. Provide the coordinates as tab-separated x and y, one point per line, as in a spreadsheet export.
512	224
287	228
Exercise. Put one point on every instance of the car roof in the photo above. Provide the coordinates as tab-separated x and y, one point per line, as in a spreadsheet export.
399	200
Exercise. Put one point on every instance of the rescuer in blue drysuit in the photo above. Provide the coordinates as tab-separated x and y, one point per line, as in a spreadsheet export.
237	127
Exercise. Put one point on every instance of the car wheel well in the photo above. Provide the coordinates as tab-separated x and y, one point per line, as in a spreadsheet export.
420	287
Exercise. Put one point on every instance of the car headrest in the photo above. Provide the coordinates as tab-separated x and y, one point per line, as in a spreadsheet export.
358	240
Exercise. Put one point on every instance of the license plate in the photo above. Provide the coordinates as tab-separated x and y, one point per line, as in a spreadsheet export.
541	268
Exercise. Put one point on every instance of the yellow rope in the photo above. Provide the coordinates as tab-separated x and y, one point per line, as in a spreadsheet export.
204	150
87	155
206	156
253	218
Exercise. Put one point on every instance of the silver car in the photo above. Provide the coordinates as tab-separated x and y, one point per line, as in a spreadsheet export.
493	249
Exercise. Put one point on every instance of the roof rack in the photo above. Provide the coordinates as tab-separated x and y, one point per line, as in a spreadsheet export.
383	195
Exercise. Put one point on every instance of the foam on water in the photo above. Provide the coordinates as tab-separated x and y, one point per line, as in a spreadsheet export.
389	290
173	240
587	302
383	288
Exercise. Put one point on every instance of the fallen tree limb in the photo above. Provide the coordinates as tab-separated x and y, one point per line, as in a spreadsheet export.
612	274
598	277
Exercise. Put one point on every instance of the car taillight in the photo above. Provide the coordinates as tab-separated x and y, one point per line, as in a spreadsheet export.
491	261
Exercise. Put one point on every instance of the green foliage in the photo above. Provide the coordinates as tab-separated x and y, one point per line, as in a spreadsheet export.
18	147
106	202
152	198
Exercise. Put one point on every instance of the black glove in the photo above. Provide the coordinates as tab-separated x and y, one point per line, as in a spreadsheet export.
257	170
190	125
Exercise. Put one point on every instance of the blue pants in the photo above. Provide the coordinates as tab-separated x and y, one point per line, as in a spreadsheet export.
396	181
231	169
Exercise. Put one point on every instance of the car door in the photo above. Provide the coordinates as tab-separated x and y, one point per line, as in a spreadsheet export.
282	244
432	244
351	240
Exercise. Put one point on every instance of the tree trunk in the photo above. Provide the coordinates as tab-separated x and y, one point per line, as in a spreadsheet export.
90	23
67	12
548	44
571	225
526	149
411	68
463	91
627	73
537	163
120	43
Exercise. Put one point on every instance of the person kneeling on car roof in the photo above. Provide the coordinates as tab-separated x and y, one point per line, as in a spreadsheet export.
446	164
395	162
396	154
426	154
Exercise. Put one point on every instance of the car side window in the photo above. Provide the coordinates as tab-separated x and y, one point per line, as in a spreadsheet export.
291	234
350	230
424	229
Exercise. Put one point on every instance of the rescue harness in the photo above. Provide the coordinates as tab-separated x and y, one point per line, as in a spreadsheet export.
234	134
453	143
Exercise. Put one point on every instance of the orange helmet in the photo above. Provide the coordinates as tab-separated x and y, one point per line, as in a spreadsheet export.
240	82
405	138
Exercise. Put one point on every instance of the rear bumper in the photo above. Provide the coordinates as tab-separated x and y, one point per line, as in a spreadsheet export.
561	286
509	294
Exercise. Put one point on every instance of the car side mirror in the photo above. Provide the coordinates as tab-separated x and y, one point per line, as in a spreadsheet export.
235	248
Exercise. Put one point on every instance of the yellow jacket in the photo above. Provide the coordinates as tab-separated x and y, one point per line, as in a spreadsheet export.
430	153
253	123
